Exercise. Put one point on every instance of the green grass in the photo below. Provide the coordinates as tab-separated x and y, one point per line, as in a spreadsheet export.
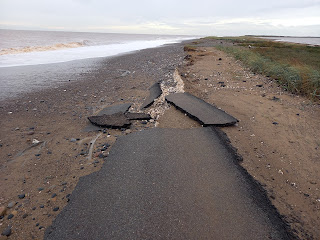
295	66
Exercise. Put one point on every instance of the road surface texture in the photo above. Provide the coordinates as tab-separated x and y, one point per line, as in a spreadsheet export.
169	184
200	110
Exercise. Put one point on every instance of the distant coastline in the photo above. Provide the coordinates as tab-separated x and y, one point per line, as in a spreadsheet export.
314	41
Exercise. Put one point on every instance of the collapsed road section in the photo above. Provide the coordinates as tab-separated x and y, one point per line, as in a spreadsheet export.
200	110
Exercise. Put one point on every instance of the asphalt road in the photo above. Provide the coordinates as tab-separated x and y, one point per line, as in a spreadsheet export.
203	112
169	184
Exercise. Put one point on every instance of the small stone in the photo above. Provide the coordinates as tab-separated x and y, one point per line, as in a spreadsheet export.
21	196
53	195
81	168
220	59
73	140
259	85
30	133
11	204
10	216
37	224
35	141
25	215
40	189
275	123
56	209
64	183
41	227
38	155
34	208
7	231
41	206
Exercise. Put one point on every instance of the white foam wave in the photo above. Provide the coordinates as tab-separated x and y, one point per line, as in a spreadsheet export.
57	46
83	52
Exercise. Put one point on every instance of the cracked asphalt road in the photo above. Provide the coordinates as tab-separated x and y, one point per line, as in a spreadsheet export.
169	184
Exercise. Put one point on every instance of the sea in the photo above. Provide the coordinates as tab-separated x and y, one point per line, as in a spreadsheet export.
315	41
19	48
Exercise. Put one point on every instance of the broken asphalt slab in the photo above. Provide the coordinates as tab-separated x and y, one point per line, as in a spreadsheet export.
123	108
116	116
169	184
116	120
137	116
154	92
200	110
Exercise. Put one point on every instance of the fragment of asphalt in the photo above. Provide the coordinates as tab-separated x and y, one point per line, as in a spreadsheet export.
154	92
123	108
137	116
116	120
169	184
200	110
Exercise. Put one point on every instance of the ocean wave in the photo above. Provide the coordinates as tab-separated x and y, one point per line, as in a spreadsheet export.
57	46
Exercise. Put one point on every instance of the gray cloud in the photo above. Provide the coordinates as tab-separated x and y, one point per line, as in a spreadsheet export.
164	16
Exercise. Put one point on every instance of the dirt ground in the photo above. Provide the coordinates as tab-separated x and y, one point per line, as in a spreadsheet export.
278	134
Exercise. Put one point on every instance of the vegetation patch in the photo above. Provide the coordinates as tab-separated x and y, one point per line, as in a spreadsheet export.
295	66
190	48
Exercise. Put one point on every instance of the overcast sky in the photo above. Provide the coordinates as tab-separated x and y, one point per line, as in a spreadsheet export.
192	17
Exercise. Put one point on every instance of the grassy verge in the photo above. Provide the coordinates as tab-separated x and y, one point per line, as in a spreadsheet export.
295	66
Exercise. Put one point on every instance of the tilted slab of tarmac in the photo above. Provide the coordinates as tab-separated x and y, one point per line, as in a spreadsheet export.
169	184
123	108
154	92
200	110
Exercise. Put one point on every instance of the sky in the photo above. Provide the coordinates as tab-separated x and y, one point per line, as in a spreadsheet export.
187	17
